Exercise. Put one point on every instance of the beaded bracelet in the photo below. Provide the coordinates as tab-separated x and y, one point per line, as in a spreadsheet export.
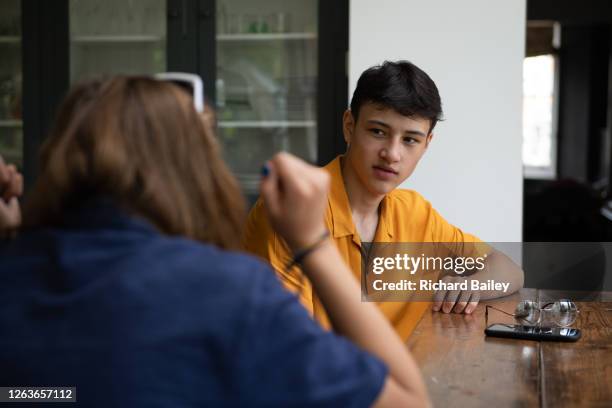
299	256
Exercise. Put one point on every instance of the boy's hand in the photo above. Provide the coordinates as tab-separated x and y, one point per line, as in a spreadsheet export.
295	197
11	187
457	301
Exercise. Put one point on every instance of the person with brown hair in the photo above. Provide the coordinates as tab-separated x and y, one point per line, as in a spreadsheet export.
144	150
122	281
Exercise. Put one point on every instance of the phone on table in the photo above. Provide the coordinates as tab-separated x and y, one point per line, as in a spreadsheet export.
514	331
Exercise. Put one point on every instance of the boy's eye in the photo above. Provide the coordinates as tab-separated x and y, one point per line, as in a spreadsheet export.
410	140
377	132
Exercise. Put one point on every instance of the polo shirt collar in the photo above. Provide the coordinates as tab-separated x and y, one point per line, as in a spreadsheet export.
340	208
386	218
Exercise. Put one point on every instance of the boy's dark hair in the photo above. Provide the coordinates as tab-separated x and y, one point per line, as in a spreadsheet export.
401	86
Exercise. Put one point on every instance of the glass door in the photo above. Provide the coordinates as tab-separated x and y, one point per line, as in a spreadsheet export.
11	134
266	82
117	36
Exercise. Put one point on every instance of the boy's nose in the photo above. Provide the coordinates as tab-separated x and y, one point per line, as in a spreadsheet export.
391	152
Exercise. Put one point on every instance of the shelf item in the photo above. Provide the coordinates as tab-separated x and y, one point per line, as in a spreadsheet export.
264	81
109	37
11	79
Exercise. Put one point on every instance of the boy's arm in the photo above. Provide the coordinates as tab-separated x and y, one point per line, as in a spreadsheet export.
498	267
260	239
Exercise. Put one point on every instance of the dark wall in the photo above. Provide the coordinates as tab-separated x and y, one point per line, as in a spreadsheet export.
571	11
583	102
45	72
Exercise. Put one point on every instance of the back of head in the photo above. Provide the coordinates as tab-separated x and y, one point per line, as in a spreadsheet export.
140	142
401	86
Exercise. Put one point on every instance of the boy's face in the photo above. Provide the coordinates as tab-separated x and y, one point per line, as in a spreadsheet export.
385	146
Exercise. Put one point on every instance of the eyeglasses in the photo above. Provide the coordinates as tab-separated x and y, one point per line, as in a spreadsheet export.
563	312
191	83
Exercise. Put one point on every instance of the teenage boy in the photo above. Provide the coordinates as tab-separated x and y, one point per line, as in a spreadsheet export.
387	129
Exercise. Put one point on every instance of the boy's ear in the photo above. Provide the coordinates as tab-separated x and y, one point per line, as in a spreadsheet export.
428	139
348	125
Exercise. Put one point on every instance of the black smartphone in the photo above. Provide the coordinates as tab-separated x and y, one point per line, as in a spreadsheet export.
533	333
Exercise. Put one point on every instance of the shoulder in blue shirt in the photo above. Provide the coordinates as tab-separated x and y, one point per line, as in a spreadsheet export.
135	318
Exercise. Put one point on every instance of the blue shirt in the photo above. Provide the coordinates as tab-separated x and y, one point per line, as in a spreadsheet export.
135	318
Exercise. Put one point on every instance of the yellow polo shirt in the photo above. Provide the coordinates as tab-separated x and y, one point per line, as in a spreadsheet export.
405	216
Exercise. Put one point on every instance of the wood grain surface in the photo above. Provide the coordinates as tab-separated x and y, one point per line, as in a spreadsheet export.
580	374
464	368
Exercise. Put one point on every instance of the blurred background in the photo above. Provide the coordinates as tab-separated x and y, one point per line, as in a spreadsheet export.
275	70
567	109
567	114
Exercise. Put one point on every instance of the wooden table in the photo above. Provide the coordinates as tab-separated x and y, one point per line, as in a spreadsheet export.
463	368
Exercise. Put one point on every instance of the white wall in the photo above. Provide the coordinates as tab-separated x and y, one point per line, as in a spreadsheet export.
473	50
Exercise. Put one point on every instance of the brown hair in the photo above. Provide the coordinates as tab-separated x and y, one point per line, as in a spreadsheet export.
140	142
